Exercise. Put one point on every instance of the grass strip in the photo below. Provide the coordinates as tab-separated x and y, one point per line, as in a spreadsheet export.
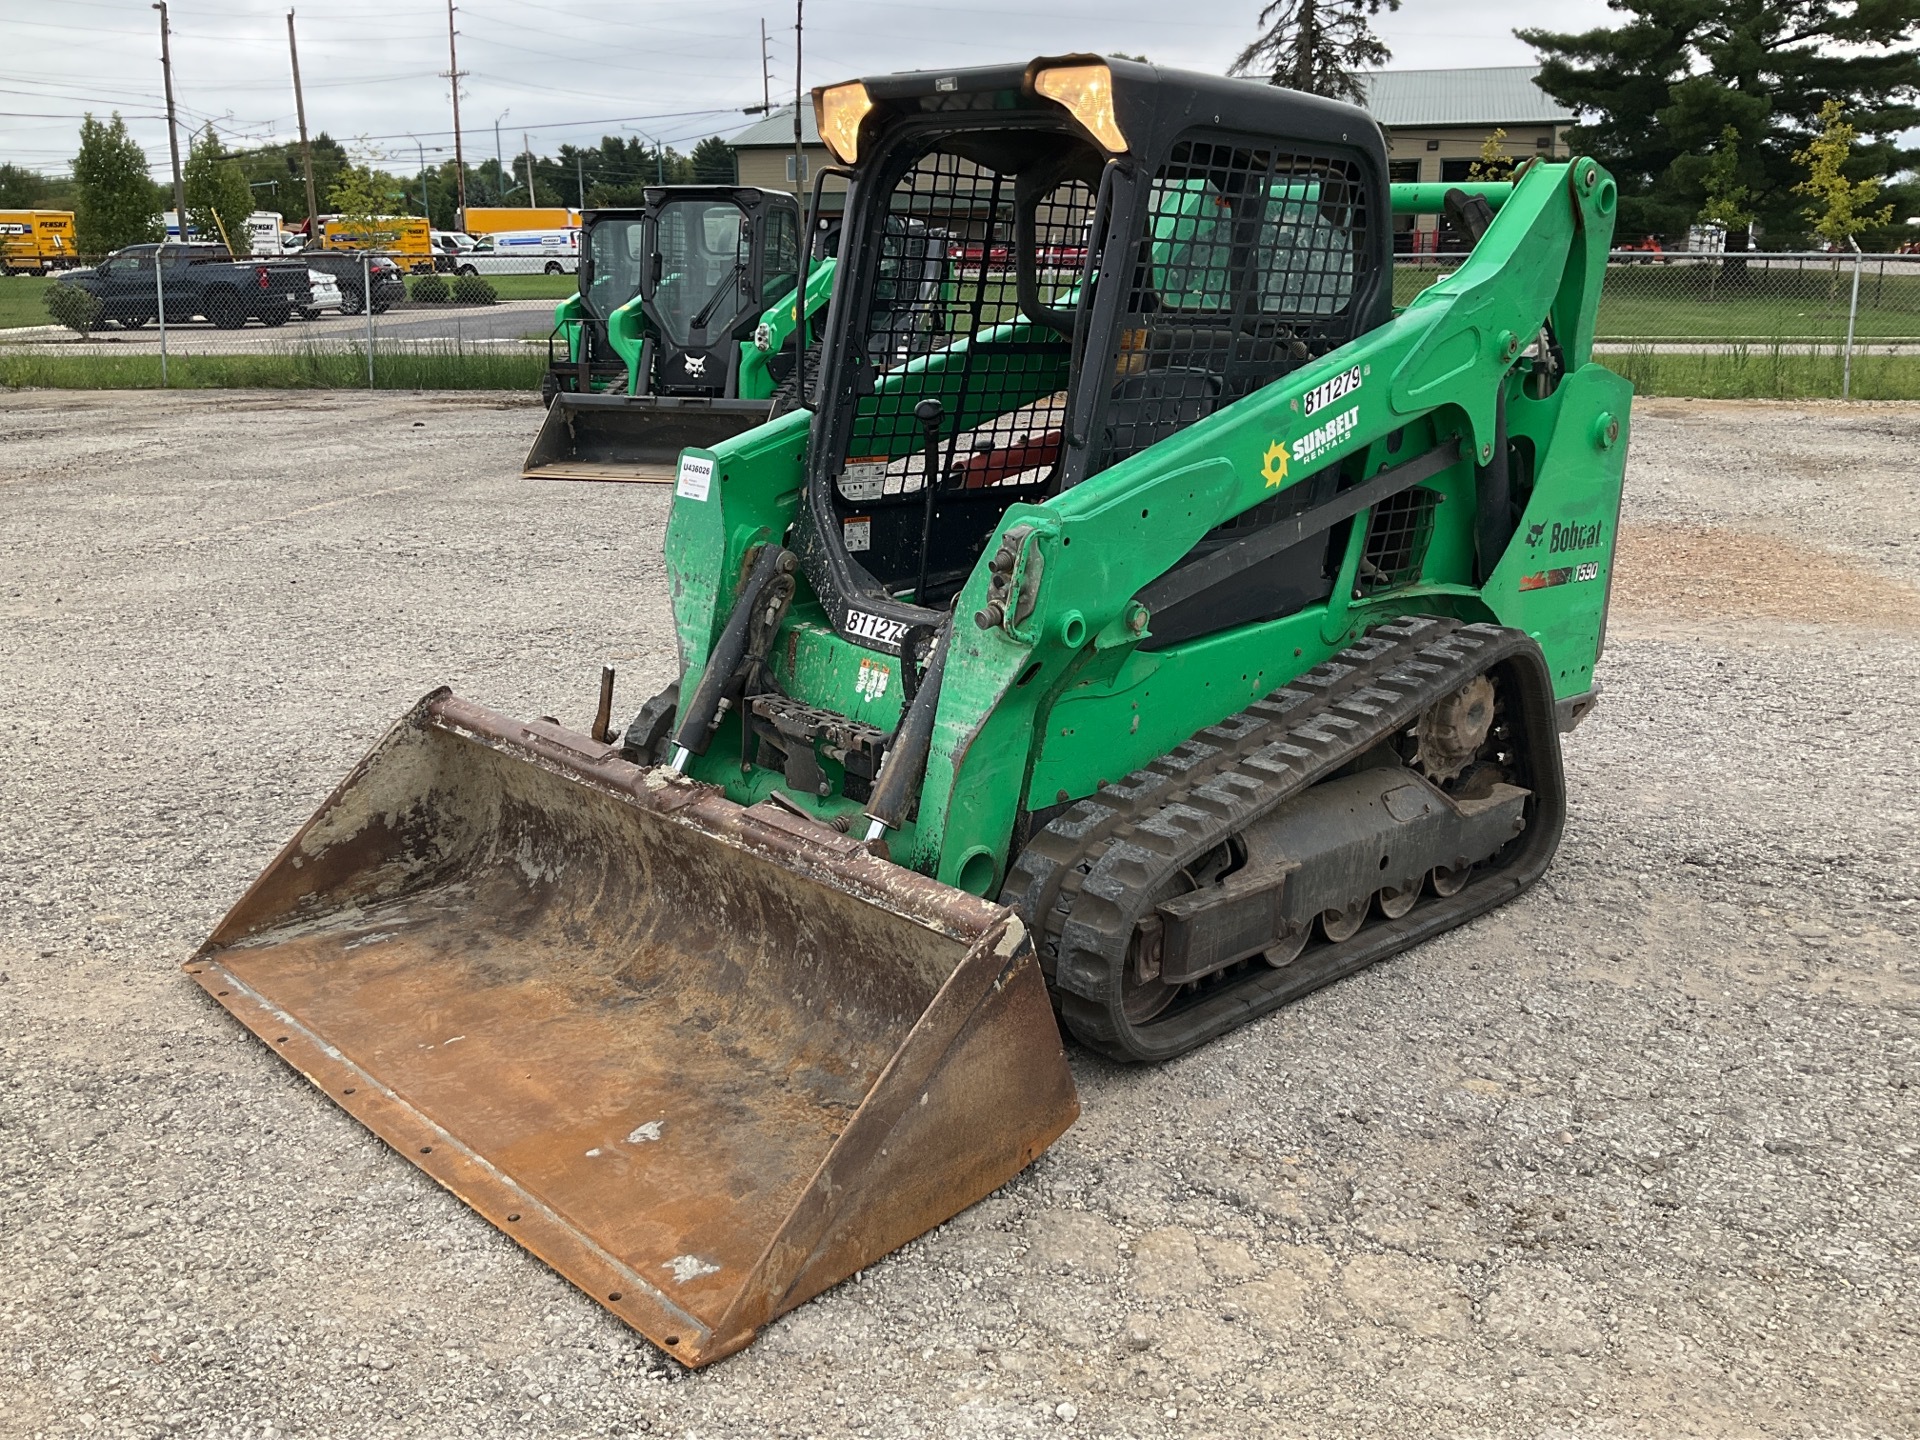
1740	372
1747	372
530	287
21	302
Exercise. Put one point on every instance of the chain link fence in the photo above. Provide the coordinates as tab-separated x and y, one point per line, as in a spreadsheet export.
1803	319
1761	324
192	315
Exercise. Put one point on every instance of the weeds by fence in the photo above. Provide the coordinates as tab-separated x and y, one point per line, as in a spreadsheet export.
412	367
1756	372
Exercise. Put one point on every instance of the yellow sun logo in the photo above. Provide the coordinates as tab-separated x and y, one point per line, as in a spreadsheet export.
1274	465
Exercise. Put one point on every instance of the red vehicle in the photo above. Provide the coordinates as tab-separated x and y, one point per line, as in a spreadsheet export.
967	256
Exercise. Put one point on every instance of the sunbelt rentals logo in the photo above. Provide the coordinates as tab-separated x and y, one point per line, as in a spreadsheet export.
1327	437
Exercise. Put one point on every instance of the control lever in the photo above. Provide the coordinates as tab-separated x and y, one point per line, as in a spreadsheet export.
929	413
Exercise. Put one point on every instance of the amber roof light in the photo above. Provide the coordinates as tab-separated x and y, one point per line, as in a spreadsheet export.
1086	90
838	112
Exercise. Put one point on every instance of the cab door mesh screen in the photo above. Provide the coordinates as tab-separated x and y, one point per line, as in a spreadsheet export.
1247	266
948	274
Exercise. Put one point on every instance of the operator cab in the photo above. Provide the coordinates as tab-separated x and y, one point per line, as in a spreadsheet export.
717	258
1045	271
612	260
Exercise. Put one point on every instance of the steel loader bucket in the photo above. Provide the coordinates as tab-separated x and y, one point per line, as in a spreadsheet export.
705	1061
631	437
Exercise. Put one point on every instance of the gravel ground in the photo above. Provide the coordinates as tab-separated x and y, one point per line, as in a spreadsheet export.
1634	1155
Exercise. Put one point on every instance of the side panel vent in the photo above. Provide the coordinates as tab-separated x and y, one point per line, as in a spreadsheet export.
1398	532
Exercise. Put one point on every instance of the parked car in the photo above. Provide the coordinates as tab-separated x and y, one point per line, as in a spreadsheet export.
198	280
326	295
389	284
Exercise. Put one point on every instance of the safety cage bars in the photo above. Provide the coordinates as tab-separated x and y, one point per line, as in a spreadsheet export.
1247	266
1247	263
975	222
949	271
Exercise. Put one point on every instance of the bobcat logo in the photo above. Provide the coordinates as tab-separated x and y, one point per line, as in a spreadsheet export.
696	364
1534	534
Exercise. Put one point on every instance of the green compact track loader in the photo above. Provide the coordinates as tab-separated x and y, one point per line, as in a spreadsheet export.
680	333
1145	622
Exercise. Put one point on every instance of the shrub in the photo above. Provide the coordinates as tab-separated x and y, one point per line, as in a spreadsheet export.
73	307
430	290
474	290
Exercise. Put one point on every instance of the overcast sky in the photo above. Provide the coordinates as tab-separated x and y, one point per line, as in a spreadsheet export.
573	72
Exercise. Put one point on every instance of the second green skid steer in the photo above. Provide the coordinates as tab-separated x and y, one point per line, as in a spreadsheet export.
1146	623
682	330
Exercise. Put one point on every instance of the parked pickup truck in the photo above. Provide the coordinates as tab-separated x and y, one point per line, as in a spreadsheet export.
199	280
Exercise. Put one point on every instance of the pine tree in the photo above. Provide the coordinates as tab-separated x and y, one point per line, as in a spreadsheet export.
1657	94
115	204
1317	45
713	162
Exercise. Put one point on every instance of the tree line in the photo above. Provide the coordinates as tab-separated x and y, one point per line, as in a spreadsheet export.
116	201
1779	118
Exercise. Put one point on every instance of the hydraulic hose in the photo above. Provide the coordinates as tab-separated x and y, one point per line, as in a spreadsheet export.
906	764
770	580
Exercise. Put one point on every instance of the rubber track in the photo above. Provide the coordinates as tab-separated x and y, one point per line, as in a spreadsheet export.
1082	880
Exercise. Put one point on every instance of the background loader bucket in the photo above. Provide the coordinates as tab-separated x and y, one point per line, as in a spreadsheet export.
632	437
705	1061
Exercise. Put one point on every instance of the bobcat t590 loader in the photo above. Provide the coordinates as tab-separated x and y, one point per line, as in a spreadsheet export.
681	330
1190	628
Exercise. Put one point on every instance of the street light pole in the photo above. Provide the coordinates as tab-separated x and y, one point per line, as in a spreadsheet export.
659	155
421	150
499	164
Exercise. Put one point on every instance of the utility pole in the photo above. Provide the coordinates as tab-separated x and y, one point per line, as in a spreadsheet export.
800	193
173	131
580	174
306	150
799	147
454	72
766	71
424	208
526	150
